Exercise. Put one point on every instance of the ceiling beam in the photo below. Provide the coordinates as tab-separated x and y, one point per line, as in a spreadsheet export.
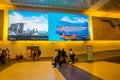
98	5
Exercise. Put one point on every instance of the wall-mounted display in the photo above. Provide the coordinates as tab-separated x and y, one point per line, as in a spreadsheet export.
64	26
25	25
52	26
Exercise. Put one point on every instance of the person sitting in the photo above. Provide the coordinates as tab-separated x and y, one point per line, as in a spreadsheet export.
21	56
17	57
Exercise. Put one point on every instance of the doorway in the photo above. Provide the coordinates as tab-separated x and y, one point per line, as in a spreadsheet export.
30	51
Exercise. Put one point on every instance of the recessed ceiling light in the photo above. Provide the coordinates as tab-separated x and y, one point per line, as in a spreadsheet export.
64	2
78	4
118	4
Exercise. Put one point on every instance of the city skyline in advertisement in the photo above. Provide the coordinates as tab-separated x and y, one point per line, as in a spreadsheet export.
34	25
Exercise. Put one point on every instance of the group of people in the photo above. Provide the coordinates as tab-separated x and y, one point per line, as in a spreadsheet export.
61	57
4	55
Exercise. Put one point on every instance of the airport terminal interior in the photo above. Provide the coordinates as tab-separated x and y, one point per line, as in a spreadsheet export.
59	39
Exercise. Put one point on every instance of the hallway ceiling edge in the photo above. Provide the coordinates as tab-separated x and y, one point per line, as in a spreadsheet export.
75	5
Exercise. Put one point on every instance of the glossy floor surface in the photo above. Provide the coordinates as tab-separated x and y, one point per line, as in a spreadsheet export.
31	71
102	69
43	70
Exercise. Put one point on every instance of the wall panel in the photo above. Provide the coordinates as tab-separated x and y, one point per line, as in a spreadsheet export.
1	24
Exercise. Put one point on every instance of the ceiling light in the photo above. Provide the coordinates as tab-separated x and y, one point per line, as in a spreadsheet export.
64	2
118	4
41	0
78	4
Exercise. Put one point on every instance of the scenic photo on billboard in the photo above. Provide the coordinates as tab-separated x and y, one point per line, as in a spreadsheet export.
25	25
64	26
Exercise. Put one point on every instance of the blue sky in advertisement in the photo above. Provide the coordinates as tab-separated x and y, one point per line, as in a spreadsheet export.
37	20
64	26
27	25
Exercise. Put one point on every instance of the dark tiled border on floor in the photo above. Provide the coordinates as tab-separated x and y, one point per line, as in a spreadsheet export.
117	62
71	72
7	64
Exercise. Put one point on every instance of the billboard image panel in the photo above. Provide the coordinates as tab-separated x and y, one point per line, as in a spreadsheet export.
63	26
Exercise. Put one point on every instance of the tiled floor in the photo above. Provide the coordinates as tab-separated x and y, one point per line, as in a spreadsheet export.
102	69
43	70
31	71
